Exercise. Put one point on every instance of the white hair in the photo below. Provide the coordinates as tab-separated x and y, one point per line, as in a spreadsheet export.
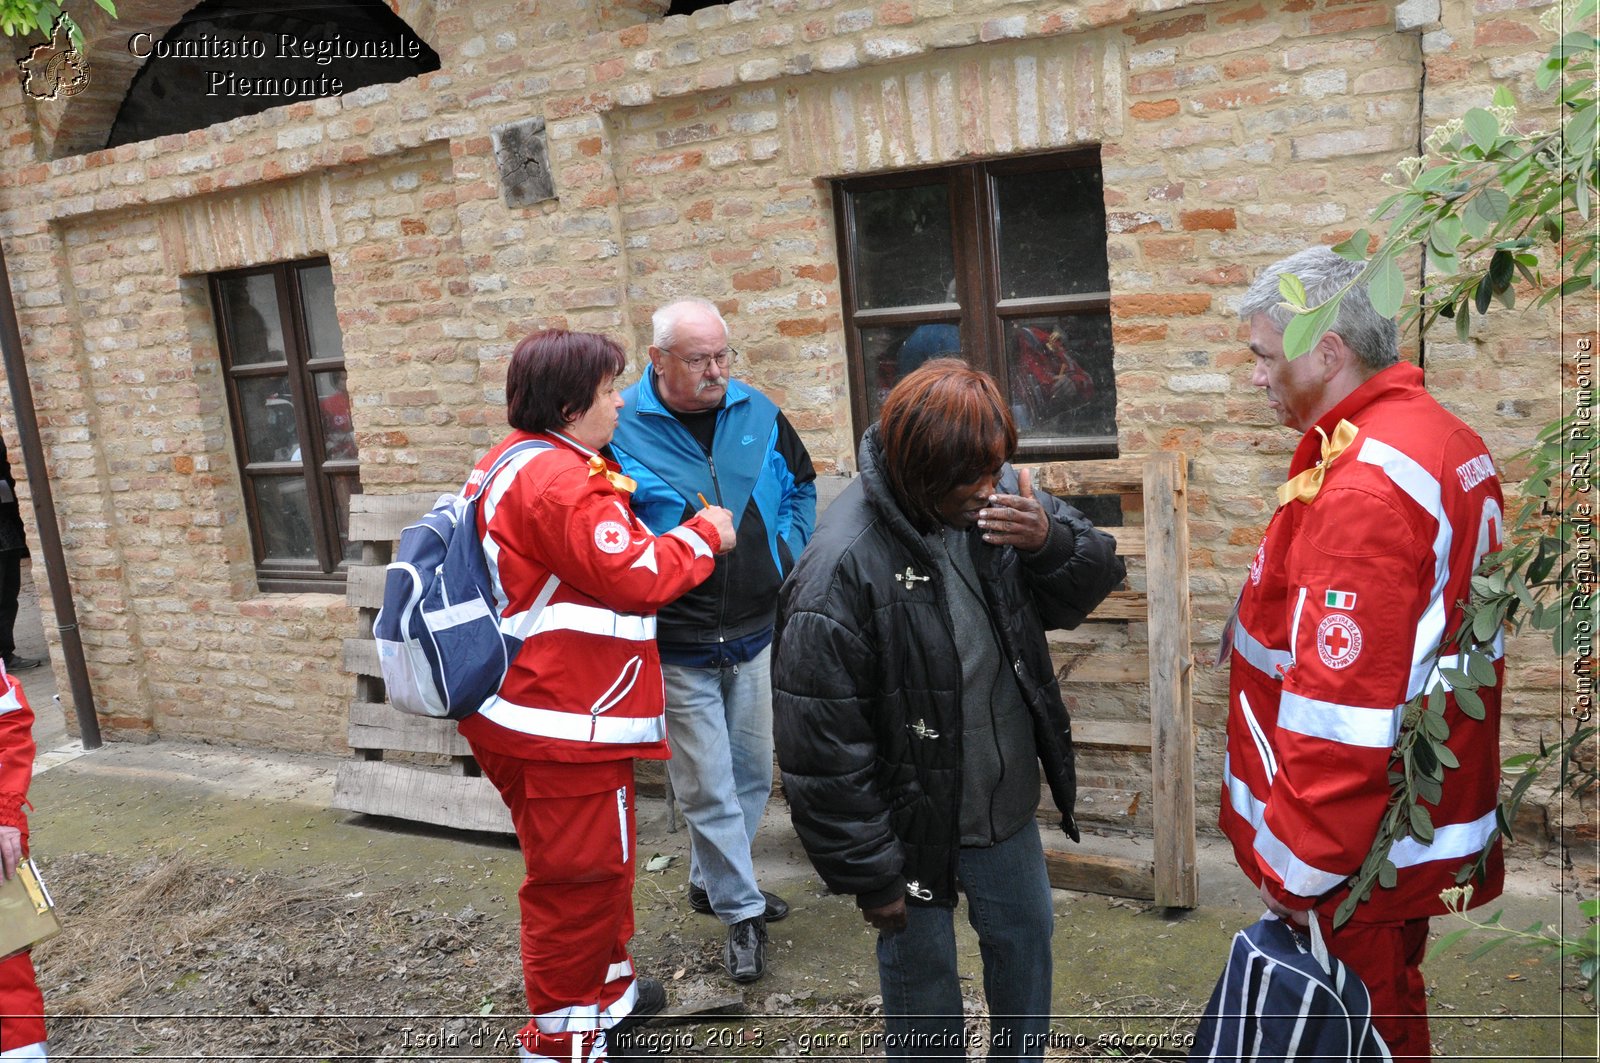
1374	339
664	322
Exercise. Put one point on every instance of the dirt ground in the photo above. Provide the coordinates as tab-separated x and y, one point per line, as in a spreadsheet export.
216	907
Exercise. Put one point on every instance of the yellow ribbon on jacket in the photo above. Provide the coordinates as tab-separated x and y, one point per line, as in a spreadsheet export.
1306	485
598	467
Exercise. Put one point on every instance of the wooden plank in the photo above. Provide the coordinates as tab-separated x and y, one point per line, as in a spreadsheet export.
1122	605
381	518
1118	876
1089	665
1113	476
363	586
1111	734
1130	541
1177	882
379	725
361	657
378	788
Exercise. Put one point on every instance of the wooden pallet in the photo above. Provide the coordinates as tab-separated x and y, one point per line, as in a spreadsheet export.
438	782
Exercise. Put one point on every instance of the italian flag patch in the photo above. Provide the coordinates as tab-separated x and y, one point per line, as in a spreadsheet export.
1339	600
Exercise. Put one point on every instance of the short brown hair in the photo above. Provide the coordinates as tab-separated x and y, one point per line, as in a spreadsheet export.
943	426
554	375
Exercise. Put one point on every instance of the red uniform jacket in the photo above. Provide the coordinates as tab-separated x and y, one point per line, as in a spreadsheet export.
1346	603
16	755
581	578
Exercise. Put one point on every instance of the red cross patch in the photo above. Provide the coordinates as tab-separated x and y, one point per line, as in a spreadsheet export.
1338	641
611	536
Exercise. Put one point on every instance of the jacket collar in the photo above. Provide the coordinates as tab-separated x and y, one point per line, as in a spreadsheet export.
881	498
649	400
1399	381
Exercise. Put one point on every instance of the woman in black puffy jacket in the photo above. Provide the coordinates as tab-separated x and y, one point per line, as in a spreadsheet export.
915	703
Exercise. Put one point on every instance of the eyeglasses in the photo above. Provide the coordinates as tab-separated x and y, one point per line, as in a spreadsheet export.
724	358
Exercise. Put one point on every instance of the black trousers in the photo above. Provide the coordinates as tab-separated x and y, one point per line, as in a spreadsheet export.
10	588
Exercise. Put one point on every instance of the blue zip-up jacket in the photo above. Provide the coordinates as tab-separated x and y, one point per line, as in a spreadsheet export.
759	470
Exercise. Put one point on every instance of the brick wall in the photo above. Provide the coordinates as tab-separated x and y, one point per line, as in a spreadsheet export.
691	155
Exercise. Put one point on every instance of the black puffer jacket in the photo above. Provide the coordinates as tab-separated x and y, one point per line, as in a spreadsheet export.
866	682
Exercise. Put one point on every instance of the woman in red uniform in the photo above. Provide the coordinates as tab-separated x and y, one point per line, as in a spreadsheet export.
582	578
21	1005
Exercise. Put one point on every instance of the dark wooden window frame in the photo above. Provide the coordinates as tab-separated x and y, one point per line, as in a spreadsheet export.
326	573
973	206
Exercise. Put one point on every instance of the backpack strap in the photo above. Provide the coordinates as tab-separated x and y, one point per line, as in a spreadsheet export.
501	462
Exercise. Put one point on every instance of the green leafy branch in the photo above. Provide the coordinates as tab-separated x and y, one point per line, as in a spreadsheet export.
1585	949
1492	206
28	16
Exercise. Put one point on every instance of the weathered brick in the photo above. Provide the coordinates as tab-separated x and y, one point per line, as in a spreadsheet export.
1153	109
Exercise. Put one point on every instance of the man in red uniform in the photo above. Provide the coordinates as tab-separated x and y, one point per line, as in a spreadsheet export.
21	1005
1391	504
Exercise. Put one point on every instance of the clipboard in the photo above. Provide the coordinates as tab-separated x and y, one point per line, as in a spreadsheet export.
27	912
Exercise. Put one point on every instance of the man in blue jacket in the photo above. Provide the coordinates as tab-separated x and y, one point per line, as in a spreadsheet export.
690	434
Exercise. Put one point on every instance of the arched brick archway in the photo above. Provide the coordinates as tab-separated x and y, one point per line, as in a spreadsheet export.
81	123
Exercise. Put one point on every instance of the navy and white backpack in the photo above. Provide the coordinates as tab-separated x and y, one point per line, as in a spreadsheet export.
1282	998
440	646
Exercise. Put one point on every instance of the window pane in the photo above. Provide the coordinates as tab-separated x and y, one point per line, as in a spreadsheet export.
322	321
904	254
894	351
256	326
1052	233
285	518
333	406
1062	382
269	419
343	488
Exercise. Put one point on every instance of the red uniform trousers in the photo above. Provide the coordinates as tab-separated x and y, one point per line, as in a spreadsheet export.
575	824
1388	958
21	1004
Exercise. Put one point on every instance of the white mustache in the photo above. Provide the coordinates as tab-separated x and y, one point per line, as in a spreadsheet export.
717	382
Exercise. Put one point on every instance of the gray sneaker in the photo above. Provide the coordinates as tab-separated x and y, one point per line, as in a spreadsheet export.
746	954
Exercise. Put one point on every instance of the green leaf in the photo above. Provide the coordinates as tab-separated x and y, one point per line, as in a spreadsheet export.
1456	677
1463	321
1487	947
1293	292
1386	288
1447	758
1503	97
1445	942
1387	873
1469	702
1485	623
1421	825
1306	329
1434	726
1355	248
1482	127
1482	669
1481	296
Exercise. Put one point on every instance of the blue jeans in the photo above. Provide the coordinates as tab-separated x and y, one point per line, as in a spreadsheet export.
1008	904
719	725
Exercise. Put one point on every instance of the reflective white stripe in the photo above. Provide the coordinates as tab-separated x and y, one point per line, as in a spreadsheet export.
1256	653
492	494
1259	736
517	625
1497	651
1298	877
623	1005
620	687
1294	626
1354	725
9	701
701	547
622	833
1424	490
37	1050
619	970
593	620
574	726
1252	808
647	559
1453	841
579	1018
